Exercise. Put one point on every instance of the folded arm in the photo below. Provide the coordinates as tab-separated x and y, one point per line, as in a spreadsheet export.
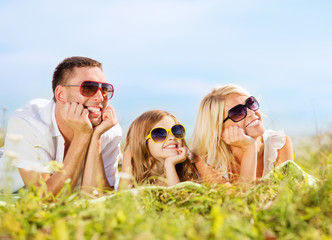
94	176
208	174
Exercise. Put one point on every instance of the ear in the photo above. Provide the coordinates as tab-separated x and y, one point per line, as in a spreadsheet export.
59	94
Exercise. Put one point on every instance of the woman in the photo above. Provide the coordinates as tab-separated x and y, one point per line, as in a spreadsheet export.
230	141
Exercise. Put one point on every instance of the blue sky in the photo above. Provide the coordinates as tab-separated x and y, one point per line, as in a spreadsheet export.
169	54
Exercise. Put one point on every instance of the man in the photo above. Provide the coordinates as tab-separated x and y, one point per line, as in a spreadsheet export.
77	129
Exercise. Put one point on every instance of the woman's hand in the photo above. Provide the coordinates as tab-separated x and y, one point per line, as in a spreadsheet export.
235	136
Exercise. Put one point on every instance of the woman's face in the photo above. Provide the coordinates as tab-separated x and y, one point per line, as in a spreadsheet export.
168	148
252	123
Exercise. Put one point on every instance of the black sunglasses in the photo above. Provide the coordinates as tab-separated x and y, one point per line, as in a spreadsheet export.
239	112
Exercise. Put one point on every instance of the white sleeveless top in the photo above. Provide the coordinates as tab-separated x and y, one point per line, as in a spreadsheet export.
273	141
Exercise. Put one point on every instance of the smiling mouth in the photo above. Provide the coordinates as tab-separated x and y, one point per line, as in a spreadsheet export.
93	110
253	123
171	146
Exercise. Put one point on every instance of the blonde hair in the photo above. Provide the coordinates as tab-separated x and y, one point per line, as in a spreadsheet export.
143	164
206	139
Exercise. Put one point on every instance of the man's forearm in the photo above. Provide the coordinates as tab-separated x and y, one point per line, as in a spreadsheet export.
73	163
94	176
72	166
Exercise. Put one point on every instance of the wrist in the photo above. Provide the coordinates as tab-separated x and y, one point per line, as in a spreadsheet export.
83	135
249	147
82	138
168	163
96	133
82	131
100	130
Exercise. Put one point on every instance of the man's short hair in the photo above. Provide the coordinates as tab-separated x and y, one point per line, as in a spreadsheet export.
66	67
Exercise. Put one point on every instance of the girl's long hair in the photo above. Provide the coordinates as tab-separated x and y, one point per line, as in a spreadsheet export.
144	166
206	140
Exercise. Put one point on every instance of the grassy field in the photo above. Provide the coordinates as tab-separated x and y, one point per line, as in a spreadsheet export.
283	206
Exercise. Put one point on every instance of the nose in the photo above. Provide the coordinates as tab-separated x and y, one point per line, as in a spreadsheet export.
99	95
250	112
170	136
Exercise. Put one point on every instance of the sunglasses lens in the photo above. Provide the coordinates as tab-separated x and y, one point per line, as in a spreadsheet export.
89	88
237	113
158	134
178	131
107	90
252	103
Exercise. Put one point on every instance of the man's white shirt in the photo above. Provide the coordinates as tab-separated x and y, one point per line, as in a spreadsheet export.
33	142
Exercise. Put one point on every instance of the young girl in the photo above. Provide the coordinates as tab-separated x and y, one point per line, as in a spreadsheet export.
155	147
230	141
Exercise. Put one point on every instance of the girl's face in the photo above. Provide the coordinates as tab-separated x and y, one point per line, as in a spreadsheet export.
252	123
161	151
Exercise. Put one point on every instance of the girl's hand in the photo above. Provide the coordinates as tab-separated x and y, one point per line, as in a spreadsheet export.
235	136
170	162
180	157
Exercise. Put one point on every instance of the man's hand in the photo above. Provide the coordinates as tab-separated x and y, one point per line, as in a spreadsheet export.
236	137
180	157
94	176
76	117
109	120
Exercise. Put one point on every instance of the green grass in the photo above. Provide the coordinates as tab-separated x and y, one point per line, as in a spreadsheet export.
282	207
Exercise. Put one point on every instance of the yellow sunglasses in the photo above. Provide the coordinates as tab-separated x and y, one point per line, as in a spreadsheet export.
159	134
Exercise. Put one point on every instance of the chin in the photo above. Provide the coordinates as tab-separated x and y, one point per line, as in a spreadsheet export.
171	154
95	122
255	133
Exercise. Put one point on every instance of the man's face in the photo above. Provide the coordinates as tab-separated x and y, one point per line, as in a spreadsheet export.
95	104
